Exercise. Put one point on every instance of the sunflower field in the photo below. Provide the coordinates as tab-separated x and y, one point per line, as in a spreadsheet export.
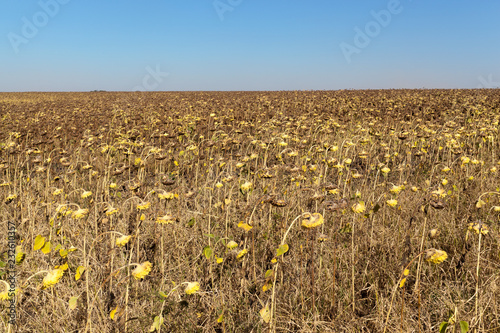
291	211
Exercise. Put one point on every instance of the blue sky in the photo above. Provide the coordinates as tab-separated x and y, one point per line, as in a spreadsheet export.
76	45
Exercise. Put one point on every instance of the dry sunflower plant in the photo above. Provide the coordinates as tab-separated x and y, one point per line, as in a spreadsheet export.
340	211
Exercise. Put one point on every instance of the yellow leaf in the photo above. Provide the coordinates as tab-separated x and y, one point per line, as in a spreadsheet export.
402	283
39	242
207	251
112	313
265	314
73	303
282	249
46	248
158	321
221	318
245	226
79	272
20	255
63	253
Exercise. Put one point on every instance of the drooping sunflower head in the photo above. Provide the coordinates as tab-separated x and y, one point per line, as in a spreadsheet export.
310	221
192	287
52	277
123	240
435	256
142	270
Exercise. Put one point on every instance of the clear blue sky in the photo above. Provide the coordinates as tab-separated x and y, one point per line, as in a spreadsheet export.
82	45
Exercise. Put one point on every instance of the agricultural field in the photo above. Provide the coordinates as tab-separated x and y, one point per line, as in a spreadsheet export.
298	211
